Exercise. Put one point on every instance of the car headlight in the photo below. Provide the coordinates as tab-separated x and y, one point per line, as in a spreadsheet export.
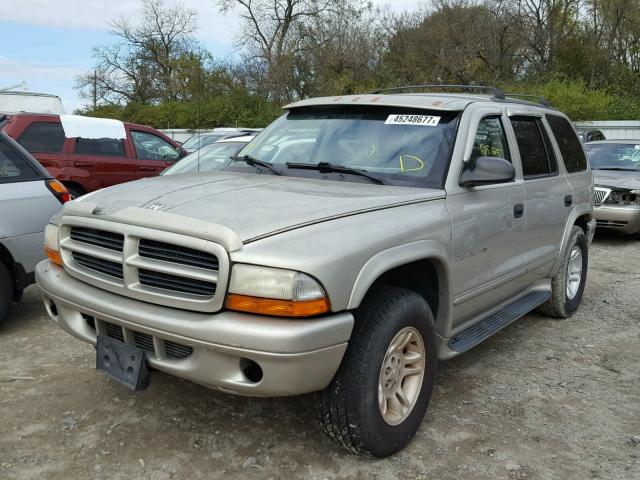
275	291
51	245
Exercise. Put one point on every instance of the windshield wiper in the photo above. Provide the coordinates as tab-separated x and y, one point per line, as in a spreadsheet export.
253	161
336	167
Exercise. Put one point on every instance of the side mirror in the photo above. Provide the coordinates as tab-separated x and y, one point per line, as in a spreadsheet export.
487	171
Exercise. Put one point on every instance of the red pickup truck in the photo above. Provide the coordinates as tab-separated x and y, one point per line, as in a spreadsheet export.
88	164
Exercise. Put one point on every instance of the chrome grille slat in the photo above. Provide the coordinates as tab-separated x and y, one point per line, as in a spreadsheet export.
176	254
98	238
600	195
173	282
100	265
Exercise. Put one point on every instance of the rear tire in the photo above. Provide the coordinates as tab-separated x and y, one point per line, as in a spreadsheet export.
392	326
566	290
75	191
6	292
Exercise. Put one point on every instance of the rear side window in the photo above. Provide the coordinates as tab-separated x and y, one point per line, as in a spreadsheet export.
105	147
14	168
43	137
535	152
568	143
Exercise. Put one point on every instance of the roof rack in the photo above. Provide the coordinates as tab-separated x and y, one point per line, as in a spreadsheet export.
496	92
544	101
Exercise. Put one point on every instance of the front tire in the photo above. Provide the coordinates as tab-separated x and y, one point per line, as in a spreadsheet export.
567	286
6	292
377	400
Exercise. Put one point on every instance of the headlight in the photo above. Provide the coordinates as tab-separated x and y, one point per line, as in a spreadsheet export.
51	246
274	291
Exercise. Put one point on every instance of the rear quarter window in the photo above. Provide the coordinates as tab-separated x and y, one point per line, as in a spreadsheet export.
568	143
13	167
43	137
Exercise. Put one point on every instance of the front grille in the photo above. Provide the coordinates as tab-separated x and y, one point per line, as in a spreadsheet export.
168	252
176	283
175	350
155	266
100	265
600	195
144	341
99	238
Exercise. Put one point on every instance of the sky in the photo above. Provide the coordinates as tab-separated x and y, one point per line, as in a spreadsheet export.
46	43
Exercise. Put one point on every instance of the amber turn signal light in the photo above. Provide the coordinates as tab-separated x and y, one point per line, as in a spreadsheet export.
277	308
58	190
53	256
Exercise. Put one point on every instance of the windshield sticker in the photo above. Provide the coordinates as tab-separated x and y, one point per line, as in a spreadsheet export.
423	120
408	163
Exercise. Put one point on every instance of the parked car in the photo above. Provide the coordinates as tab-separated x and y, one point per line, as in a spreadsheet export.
210	157
590	135
616	172
28	199
408	229
87	164
200	140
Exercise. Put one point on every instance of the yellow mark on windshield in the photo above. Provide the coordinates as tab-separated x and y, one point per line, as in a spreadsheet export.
403	158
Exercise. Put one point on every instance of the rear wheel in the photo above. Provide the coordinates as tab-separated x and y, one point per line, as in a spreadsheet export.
567	286
6	292
378	398
74	190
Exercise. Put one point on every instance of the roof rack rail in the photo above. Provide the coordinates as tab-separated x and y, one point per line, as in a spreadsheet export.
544	101
498	93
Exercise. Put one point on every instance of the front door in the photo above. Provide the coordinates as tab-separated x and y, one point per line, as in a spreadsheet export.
153	154
488	232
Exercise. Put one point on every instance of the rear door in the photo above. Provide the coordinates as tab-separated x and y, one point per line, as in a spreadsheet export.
153	153
548	195
102	162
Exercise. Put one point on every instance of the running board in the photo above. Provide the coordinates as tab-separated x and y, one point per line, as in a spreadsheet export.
482	330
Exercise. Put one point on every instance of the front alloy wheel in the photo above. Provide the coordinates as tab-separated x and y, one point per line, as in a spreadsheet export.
376	402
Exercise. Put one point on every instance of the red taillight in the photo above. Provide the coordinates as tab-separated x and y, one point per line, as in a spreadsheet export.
59	190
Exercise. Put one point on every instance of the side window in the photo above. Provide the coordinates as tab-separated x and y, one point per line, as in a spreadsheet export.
106	147
14	168
151	147
568	143
533	144
490	140
43	137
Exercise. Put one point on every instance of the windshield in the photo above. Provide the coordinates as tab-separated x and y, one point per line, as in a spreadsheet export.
207	159
614	156
406	147
198	141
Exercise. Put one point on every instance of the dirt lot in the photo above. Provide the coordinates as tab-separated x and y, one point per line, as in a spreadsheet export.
542	399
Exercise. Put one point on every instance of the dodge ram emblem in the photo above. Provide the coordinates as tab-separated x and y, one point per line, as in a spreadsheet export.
156	206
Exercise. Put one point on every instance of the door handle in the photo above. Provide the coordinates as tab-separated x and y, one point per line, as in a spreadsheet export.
83	164
147	169
518	210
568	200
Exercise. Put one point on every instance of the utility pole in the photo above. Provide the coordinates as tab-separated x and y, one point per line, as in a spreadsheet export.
95	89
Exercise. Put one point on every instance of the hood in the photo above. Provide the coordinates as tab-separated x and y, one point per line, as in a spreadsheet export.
616	179
254	206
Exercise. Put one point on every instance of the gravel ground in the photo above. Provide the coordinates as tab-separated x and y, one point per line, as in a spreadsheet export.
542	399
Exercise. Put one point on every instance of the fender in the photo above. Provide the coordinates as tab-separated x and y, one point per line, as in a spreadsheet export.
394	257
79	176
577	212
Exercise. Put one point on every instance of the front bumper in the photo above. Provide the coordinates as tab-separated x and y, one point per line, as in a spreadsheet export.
625	219
295	356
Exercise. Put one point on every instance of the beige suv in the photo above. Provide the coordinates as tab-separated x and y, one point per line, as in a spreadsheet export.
352	245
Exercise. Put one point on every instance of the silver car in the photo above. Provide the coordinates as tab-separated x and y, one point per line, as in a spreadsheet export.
616	174
28	199
353	244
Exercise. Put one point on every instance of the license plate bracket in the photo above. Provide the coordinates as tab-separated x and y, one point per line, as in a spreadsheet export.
122	362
